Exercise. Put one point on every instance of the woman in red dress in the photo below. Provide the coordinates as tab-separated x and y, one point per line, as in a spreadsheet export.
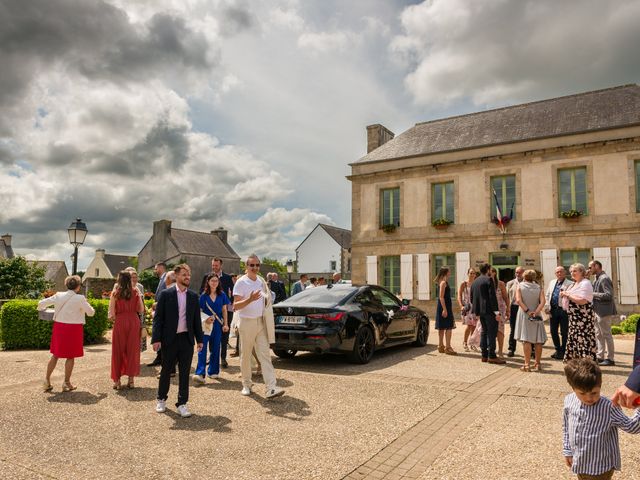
68	329
124	306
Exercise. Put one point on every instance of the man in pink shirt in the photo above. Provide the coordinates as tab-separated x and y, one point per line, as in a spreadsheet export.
176	328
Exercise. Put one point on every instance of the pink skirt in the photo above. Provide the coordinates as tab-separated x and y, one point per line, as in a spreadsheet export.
67	340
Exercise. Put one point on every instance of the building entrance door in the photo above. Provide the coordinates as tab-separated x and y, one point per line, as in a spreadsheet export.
506	264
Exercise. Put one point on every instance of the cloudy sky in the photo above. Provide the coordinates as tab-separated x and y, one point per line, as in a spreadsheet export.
246	114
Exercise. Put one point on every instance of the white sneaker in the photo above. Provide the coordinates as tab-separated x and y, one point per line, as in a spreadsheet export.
214	376
161	407
184	411
275	392
246	391
198	379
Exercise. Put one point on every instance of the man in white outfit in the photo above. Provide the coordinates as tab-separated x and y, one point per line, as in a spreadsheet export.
252	306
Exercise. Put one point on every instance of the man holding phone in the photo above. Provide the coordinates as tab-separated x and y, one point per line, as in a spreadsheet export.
254	317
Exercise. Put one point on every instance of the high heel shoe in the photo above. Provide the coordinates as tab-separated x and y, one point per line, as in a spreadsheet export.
130	385
525	368
67	387
450	351
465	346
441	348
117	385
537	367
46	387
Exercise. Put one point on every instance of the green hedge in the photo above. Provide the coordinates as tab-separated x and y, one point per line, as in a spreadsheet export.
630	324
20	327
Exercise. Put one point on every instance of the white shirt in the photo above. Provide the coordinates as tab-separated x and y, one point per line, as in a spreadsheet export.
70	307
243	288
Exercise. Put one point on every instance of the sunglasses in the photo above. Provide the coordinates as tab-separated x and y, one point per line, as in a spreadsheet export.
254	265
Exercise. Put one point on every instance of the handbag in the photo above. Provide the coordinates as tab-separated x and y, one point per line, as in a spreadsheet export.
536	318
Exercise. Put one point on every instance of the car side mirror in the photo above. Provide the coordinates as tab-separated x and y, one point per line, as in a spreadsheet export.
406	302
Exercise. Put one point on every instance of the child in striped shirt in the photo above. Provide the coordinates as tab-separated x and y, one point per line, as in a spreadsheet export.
591	422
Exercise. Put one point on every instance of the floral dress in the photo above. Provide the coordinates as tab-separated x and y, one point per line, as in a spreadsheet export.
581	340
502	308
470	318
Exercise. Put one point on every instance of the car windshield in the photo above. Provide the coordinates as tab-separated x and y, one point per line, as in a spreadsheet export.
320	296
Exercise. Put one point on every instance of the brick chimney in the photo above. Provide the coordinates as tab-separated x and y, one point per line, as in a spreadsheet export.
160	240
377	135
221	233
100	253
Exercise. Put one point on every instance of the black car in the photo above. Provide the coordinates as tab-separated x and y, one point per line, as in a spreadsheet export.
352	319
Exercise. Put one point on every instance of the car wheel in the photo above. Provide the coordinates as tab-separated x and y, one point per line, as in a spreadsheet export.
285	353
423	332
363	347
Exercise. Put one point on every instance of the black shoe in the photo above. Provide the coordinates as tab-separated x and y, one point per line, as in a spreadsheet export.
606	363
556	356
154	364
510	353
224	364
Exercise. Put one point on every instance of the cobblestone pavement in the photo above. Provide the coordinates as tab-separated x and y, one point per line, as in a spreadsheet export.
410	413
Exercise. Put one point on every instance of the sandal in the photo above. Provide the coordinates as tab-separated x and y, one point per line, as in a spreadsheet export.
474	348
450	351
117	385
525	368
441	348
537	367
46	387
465	346
130	385
67	387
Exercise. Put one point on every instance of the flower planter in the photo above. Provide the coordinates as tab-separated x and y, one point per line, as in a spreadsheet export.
572	219
441	227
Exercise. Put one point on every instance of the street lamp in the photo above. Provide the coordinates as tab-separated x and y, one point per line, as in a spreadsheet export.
289	272
77	233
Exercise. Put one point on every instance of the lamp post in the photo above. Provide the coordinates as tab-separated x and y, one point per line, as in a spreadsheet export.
77	233
289	272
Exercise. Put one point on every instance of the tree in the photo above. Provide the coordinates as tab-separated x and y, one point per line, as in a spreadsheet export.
275	265
149	280
21	279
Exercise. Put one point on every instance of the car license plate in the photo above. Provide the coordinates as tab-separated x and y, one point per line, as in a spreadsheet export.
293	320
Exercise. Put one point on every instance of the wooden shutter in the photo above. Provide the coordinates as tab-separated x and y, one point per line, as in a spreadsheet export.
627	276
406	276
423	277
548	263
372	270
462	266
603	255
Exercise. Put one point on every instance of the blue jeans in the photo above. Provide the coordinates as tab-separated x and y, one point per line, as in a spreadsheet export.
213	341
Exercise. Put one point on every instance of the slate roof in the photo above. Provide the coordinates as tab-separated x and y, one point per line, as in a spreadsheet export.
116	263
342	236
201	243
581	113
52	267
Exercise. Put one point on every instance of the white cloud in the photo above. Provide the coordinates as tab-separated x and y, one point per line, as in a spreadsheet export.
499	51
324	42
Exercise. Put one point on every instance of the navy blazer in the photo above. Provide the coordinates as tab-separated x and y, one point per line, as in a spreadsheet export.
634	380
165	322
483	296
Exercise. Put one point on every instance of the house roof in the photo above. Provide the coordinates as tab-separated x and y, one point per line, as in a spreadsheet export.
201	243
574	114
52	268
342	236
6	251
116	263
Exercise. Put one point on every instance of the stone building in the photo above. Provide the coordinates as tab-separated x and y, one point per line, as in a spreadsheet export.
6	250
197	249
55	271
426	198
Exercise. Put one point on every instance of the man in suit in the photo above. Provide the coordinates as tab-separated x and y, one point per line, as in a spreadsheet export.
227	287
300	285
176	327
605	309
557	316
277	287
485	305
512	286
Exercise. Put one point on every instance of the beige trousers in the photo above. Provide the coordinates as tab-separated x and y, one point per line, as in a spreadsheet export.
604	337
253	334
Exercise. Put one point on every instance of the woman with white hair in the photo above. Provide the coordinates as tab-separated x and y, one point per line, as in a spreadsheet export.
577	300
68	329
